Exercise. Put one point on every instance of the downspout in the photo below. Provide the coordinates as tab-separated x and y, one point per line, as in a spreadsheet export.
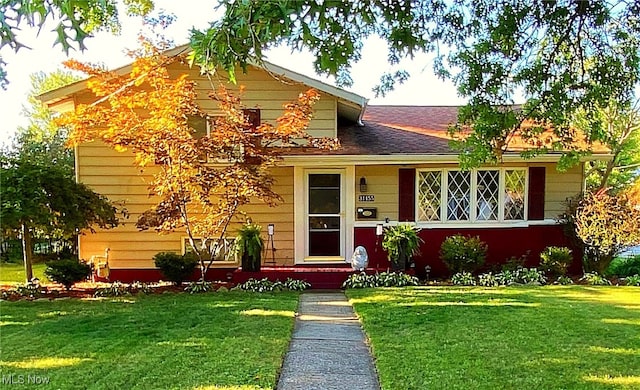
364	104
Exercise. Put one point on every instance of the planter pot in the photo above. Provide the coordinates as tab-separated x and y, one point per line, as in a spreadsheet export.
250	264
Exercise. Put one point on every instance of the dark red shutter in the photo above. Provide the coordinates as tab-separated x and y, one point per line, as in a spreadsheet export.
537	177
253	116
407	198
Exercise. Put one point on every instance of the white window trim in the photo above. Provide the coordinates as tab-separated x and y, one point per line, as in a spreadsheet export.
184	244
472	221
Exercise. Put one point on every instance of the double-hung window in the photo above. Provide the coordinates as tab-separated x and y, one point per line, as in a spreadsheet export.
480	195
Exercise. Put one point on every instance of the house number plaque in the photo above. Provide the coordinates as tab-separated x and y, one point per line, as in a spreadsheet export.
366	198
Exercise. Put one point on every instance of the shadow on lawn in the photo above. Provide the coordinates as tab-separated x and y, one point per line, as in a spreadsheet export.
227	340
516	337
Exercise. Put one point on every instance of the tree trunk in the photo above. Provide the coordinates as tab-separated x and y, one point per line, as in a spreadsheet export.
27	252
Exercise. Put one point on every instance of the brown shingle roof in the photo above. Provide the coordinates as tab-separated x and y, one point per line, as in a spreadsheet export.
407	130
400	130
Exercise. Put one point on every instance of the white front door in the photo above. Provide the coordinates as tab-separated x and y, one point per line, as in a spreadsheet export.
324	214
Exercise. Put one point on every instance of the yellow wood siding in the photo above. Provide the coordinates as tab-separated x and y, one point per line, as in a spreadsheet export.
108	172
559	186
382	182
263	91
113	174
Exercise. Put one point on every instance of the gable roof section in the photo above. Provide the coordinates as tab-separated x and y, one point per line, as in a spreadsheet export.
351	106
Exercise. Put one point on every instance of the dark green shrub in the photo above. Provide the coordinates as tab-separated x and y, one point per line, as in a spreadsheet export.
462	253
624	266
556	260
67	271
174	267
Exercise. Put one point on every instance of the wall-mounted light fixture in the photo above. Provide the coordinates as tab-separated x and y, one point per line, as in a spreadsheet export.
363	184
379	229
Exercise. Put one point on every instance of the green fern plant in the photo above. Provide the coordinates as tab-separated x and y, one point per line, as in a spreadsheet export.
249	245
401	243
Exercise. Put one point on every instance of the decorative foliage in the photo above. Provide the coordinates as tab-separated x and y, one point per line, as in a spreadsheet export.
177	268
463	278
488	280
382	279
563	280
265	285
401	243
605	225
67	271
115	289
199	287
633	280
556	260
462	253
595	279
147	112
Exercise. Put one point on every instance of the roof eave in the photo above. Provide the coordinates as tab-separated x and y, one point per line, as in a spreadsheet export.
411	159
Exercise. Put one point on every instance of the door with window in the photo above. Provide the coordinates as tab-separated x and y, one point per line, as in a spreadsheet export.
325	216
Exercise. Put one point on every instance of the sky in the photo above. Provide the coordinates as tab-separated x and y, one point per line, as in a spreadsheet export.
423	88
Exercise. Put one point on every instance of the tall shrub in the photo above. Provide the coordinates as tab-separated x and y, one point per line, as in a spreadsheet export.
462	253
67	271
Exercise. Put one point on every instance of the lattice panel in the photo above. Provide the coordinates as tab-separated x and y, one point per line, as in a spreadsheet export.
429	195
458	195
514	194
488	183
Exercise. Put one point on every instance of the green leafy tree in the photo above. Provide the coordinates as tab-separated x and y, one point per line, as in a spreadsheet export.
73	21
39	197
560	55
41	140
618	126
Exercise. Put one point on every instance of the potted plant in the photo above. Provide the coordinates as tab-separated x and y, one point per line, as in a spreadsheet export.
249	245
401	243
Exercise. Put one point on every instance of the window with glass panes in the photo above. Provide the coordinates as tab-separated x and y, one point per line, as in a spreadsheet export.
482	195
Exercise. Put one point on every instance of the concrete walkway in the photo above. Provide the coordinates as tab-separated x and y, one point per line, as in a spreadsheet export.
328	350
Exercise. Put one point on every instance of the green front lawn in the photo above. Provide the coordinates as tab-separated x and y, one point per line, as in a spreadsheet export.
228	340
552	337
14	272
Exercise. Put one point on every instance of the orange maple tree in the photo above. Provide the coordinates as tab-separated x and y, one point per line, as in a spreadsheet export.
200	183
